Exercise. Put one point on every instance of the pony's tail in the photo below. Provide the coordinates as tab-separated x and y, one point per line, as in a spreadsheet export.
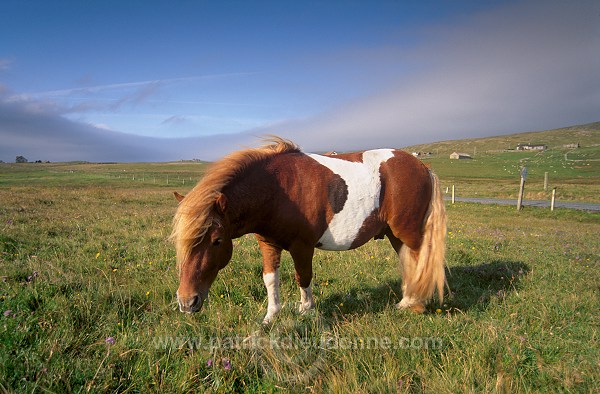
424	269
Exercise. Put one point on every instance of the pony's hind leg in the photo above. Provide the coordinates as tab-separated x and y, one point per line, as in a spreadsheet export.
410	298
408	259
271	260
302	256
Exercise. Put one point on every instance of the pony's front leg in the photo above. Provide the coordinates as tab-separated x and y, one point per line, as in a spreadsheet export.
271	260
302	256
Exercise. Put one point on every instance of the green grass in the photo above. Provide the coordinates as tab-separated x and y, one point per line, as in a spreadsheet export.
587	135
494	172
497	175
85	261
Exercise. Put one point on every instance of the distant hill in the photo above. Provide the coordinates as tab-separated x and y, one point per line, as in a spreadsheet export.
585	135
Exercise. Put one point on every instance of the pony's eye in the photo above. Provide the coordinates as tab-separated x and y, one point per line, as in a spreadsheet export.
216	241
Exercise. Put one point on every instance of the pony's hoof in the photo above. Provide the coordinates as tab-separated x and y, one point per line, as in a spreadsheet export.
270	316
305	307
415	306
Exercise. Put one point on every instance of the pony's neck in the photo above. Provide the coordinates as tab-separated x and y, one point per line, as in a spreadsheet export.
248	201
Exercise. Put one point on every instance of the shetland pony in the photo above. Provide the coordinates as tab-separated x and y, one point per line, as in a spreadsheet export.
297	202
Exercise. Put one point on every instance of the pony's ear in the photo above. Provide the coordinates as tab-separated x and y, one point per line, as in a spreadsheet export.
221	203
178	196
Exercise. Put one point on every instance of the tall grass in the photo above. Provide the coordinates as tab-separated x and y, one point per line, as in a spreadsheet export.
88	284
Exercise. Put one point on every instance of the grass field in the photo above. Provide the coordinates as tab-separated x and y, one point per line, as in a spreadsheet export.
494	171
88	285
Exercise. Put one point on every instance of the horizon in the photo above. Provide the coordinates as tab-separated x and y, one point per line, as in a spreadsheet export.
406	148
116	82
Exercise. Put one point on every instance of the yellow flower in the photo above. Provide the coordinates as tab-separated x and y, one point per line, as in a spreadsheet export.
438	310
97	254
147	293
114	270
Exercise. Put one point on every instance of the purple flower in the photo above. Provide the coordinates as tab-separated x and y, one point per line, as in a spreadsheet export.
226	364
110	341
209	362
7	312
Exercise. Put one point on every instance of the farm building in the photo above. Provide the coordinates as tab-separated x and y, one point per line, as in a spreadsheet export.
460	156
532	147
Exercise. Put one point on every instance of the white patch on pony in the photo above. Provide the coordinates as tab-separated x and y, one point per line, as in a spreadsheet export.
306	299
271	280
364	188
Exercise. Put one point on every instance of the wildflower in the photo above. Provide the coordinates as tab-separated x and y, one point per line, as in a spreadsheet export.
438	310
97	254
147	293
226	364
7	312
110	341
209	362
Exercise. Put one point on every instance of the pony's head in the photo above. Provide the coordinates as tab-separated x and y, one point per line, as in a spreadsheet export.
202	229
204	246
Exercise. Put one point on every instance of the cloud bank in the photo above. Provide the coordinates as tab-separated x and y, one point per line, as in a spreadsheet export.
523	67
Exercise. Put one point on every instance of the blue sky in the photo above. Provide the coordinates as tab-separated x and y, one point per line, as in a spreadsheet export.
158	80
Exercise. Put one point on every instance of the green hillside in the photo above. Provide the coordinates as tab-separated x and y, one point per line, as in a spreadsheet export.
585	135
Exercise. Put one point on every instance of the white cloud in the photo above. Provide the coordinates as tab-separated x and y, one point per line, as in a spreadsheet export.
5	64
523	67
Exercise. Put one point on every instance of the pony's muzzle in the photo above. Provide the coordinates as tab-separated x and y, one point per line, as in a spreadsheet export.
190	304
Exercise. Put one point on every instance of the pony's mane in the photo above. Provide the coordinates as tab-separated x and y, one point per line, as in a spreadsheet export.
192	221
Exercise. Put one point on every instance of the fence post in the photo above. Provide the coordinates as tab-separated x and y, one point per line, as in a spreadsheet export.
520	200
553	199
521	188
452	194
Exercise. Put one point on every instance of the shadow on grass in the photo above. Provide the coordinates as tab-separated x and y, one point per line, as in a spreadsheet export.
471	288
